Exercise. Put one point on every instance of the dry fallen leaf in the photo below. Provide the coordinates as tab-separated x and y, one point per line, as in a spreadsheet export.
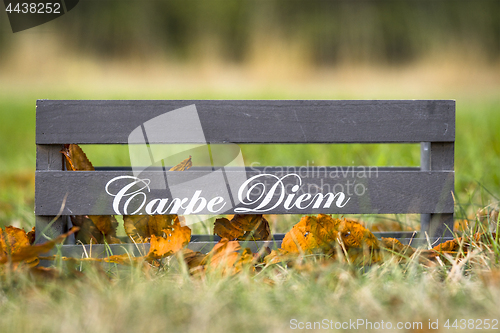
226	258
184	165
141	227
175	238
27	253
243	227
12	239
107	225
31	235
300	238
324	234
312	234
193	259
394	245
76	159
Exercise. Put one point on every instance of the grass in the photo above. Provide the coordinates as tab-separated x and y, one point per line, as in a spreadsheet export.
167	299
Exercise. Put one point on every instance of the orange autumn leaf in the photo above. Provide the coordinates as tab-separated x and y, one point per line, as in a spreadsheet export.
12	239
322	233
184	165
88	232
29	253
76	159
300	238
193	259
242	227
223	256
141	227
31	235
277	256
448	246
354	235
107	225
311	234
174	238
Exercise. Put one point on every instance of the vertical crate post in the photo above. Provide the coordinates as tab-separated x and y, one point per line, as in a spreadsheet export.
442	159
49	158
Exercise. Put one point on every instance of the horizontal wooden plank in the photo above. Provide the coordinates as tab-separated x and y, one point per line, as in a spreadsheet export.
137	250
271	192
246	121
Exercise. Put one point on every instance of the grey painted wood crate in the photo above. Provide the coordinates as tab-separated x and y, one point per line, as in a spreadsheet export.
392	190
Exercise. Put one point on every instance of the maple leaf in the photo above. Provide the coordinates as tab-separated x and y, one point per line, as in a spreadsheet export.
243	227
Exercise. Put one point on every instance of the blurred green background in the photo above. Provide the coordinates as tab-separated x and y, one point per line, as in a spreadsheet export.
259	50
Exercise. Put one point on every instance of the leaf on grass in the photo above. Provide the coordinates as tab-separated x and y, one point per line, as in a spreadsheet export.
174	238
243	227
322	233
448	246
30	253
224	256
300	238
354	235
277	256
89	232
76	160
12	239
312	234
193	259
395	245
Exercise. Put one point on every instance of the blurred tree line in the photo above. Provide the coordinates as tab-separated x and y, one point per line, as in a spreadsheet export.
327	32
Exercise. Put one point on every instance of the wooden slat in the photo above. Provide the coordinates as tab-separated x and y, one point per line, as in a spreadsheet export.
387	192
252	121
48	157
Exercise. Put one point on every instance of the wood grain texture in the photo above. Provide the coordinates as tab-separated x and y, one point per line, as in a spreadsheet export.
388	192
48	157
253	121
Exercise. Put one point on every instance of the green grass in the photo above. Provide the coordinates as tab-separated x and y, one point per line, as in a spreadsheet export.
169	300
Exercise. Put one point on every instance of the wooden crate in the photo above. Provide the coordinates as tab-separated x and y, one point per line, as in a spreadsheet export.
395	190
